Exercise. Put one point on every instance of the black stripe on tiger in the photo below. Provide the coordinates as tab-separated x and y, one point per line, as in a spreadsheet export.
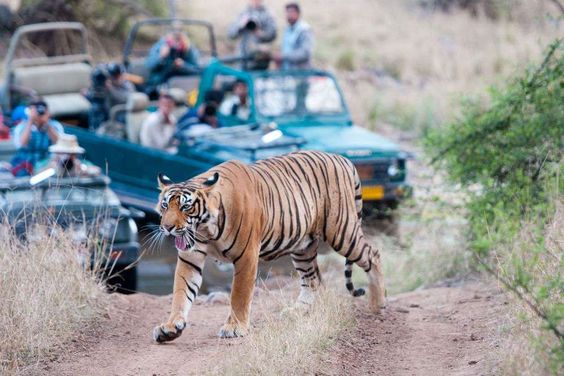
348	280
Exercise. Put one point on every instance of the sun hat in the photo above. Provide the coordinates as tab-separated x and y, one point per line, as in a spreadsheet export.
66	144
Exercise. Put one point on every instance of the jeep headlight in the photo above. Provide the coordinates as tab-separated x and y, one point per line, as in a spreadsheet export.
393	169
107	228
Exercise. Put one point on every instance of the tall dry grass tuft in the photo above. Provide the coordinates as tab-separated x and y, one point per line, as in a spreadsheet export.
289	341
48	294
529	348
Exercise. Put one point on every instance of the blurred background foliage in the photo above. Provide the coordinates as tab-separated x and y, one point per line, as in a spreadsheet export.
509	157
108	17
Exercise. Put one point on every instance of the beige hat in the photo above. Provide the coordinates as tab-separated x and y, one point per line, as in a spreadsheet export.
66	144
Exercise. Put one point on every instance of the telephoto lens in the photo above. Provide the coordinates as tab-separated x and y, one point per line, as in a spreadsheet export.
251	25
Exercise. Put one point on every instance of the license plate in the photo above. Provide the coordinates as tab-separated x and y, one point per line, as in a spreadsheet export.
374	192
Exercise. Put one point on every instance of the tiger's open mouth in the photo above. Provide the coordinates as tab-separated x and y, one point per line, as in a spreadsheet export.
180	242
183	242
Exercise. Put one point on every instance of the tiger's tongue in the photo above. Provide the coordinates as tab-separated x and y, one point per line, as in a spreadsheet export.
180	242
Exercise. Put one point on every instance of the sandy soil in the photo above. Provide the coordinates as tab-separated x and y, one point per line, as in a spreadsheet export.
438	331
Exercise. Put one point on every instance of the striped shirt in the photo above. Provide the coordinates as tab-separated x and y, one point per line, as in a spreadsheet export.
38	146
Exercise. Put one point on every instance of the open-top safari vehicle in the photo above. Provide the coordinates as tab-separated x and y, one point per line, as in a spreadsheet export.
84	206
288	110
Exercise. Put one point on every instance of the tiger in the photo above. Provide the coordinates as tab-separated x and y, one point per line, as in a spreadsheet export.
240	213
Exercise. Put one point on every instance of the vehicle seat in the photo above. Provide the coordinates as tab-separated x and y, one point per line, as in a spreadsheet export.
137	67
136	113
7	150
180	99
186	83
59	85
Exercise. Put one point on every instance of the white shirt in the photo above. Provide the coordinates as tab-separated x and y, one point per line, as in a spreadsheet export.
155	133
242	111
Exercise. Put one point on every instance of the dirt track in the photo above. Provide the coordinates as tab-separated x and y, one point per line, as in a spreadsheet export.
438	331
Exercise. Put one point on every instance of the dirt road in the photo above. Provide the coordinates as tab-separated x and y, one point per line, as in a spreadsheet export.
437	331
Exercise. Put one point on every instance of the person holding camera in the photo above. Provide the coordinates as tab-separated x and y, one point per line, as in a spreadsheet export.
171	56
118	87
255	26
108	88
98	97
33	138
66	160
297	44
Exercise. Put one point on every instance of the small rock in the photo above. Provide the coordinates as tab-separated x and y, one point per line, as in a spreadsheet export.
455	340
473	337
402	310
217	297
472	362
413	305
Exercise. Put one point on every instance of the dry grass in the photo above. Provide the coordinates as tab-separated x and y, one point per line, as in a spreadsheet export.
287	341
401	64
527	343
47	295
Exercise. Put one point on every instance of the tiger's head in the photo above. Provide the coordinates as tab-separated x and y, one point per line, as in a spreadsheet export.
185	208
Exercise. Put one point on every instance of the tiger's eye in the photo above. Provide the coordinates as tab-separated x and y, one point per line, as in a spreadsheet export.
164	205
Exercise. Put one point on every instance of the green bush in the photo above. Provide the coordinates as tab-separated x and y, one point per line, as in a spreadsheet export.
346	61
509	156
108	18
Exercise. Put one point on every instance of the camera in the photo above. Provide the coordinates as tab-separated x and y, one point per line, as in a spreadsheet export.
175	53
99	77
251	25
41	109
97	92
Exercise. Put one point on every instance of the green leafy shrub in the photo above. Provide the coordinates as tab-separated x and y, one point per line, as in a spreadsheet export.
510	157
346	61
108	18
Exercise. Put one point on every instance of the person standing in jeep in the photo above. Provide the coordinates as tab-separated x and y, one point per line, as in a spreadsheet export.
255	26
297	43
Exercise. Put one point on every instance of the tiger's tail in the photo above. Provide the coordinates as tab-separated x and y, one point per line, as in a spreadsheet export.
348	280
349	263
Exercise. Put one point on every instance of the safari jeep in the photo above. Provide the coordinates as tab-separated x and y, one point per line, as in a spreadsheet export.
289	110
86	207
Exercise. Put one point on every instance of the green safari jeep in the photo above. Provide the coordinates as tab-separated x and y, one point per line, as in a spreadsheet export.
306	105
288	111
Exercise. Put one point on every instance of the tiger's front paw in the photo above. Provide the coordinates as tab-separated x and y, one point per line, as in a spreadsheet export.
232	330
169	330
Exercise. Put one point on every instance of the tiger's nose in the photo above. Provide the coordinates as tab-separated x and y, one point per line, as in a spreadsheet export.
168	229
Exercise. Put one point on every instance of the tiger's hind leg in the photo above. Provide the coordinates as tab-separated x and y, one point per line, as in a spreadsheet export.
305	262
359	252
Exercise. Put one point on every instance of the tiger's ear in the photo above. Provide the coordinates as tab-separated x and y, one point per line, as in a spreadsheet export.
164	181
212	180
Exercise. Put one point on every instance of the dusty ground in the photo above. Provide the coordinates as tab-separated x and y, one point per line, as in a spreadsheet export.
438	331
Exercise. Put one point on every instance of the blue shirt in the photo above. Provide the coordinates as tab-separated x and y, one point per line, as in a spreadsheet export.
297	46
38	146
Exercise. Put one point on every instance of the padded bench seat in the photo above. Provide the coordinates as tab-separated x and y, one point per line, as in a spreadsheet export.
59	84
62	105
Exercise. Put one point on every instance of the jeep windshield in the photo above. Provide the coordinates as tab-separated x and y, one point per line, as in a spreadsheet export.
87	192
297	95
